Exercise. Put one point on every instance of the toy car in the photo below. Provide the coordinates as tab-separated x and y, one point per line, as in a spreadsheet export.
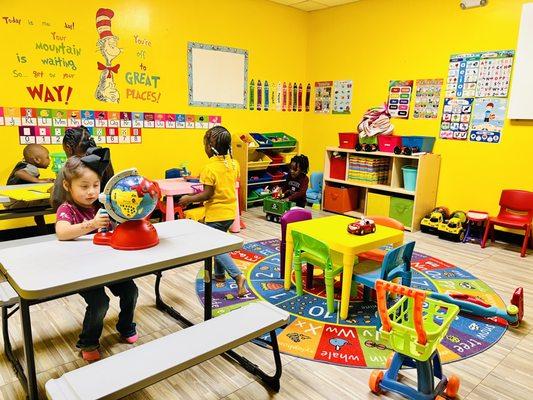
366	147
406	150
362	227
454	228
275	208
430	223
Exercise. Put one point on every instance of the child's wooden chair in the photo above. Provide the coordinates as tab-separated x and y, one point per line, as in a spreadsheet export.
317	253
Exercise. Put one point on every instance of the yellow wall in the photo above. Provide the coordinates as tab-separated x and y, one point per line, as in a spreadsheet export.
374	41
370	41
275	37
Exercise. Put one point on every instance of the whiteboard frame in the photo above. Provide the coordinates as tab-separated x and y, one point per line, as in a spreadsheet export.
520	97
212	100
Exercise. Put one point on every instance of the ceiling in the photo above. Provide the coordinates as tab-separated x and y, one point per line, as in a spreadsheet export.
312	5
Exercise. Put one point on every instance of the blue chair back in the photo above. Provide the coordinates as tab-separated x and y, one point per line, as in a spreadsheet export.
316	181
173	173
397	264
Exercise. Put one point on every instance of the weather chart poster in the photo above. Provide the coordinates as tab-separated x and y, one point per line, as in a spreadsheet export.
400	98
487	120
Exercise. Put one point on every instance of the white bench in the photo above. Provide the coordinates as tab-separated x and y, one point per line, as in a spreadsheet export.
144	365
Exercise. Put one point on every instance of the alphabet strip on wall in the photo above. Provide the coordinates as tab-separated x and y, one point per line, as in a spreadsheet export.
47	126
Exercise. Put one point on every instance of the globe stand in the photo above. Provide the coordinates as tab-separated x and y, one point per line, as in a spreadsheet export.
129	235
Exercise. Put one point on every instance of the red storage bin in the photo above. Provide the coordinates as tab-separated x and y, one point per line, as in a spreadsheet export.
388	143
276	174
337	167
275	157
348	140
340	199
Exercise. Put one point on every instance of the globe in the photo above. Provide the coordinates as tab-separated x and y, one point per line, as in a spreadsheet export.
133	197
129	198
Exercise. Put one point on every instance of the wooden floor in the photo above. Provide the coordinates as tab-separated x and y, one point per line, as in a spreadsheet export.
505	371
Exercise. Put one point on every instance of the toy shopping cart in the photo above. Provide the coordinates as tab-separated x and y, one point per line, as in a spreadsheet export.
413	327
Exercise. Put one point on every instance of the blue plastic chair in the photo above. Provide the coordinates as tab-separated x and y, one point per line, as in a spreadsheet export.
396	264
314	193
173	173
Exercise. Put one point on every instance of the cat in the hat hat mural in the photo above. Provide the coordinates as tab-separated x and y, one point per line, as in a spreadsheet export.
107	43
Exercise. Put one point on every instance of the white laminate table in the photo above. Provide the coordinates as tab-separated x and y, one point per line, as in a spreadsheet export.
46	270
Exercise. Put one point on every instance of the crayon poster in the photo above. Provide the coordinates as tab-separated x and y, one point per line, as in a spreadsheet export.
323	92
400	98
427	98
456	118
487	120
342	97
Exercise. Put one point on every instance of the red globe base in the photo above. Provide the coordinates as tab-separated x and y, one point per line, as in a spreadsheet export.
130	235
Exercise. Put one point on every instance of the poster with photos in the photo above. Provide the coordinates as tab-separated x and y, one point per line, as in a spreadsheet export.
399	98
456	115
427	98
342	97
323	97
487	120
486	74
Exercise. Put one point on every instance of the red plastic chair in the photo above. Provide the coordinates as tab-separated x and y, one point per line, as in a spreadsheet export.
516	212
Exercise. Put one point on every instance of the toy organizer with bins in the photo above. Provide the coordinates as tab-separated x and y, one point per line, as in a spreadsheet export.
373	184
264	160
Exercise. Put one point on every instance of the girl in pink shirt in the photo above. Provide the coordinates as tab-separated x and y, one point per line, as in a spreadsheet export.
79	216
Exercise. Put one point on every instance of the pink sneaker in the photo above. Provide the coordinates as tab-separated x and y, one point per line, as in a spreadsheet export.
91	355
131	339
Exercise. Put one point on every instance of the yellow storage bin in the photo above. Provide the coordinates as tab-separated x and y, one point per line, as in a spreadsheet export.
258	160
249	140
288	156
377	204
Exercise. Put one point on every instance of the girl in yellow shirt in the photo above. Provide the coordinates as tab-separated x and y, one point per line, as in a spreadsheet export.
218	177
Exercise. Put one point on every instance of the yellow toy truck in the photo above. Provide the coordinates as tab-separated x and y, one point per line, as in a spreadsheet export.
454	228
430	223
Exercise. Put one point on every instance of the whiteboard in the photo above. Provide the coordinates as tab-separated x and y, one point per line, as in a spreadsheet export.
521	98
217	76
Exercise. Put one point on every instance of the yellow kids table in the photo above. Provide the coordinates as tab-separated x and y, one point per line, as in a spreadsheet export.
333	232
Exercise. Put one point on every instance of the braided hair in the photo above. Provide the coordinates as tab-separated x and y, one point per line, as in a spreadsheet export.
219	139
77	140
301	161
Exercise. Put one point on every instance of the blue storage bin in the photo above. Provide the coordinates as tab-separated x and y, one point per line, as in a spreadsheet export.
424	143
261	140
259	176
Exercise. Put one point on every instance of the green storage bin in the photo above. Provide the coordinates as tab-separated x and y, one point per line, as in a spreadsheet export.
280	139
402	210
368	140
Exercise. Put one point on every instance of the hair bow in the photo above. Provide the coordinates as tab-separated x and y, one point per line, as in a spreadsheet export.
97	159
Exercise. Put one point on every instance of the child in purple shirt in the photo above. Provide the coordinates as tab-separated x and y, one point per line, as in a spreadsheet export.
76	217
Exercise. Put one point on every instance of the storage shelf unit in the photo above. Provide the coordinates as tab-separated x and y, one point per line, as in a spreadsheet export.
243	153
384	197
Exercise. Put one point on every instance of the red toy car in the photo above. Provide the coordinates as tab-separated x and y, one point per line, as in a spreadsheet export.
362	227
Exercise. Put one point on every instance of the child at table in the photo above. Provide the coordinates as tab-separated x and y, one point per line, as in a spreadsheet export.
77	142
79	216
295	188
27	171
218	177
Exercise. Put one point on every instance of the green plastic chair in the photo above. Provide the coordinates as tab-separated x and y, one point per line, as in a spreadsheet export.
317	253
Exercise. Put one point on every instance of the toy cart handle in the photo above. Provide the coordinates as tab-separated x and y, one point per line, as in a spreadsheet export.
382	287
